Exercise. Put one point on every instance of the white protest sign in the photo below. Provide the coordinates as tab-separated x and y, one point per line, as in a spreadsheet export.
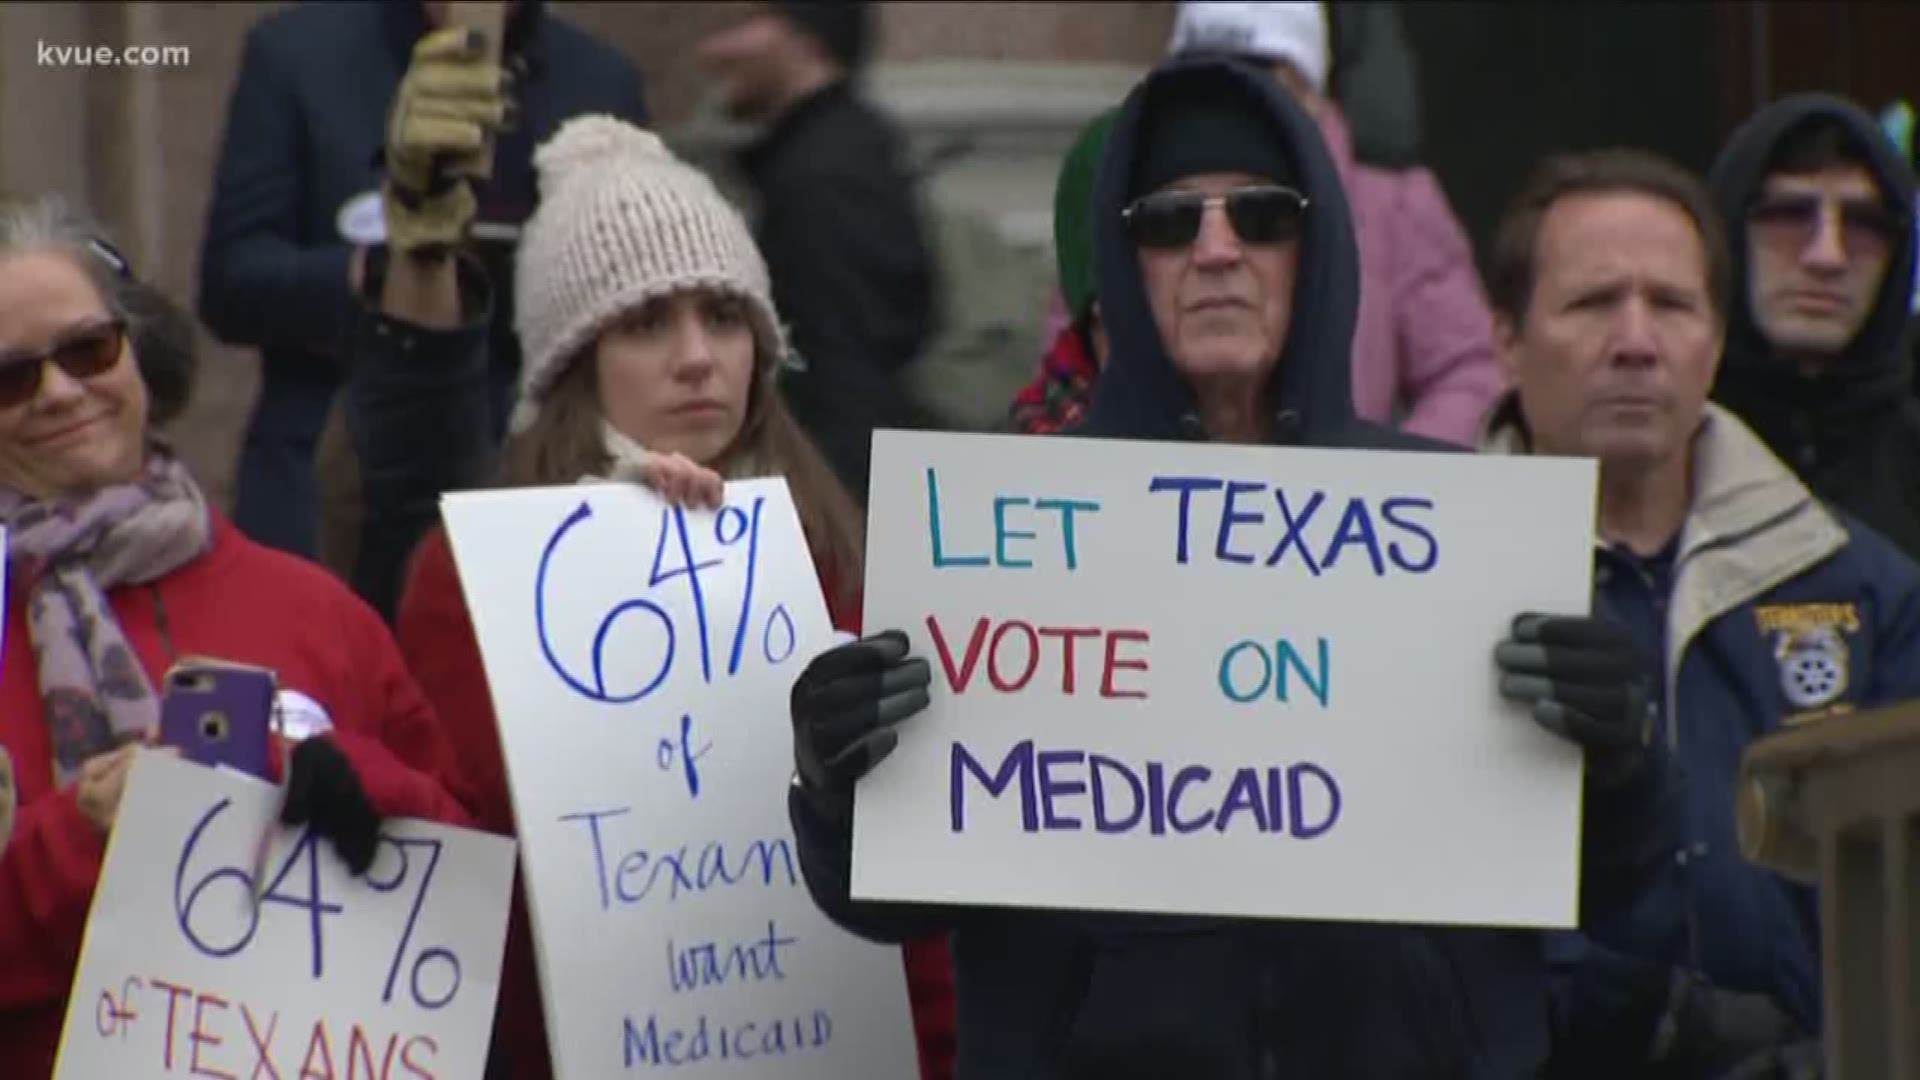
393	974
1222	680
640	661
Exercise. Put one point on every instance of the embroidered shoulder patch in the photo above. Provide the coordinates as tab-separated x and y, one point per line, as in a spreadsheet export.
1810	647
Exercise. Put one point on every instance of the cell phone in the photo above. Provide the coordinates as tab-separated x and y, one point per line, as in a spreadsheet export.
220	713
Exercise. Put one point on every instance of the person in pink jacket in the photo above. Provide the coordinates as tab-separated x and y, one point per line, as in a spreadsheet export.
1423	356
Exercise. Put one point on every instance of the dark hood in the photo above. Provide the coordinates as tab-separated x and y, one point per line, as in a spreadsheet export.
1139	395
1872	367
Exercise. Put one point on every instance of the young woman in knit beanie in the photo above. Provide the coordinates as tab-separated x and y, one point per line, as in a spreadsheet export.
650	349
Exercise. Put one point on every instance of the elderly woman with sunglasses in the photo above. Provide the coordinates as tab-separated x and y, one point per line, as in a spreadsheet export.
117	567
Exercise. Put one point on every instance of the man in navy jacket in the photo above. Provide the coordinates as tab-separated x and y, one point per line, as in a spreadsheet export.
300	167
1763	607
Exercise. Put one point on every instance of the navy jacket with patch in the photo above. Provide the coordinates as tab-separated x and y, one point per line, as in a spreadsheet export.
1770	608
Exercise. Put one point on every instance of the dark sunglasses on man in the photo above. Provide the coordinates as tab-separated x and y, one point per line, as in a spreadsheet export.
1261	214
1793	219
86	353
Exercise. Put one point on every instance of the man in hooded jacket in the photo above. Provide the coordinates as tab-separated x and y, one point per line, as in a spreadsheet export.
1818	205
1186	205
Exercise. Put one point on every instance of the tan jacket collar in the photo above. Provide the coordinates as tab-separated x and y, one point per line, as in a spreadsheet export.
1739	486
1752	526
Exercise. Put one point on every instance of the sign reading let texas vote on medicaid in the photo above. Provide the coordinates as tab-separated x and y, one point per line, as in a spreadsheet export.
640	659
1221	680
206	955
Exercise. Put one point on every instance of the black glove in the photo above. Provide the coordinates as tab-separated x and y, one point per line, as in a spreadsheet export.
1794	1061
1707	1030
844	707
1587	681
324	791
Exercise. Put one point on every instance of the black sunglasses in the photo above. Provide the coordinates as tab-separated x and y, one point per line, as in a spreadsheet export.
87	353
1264	214
1865	224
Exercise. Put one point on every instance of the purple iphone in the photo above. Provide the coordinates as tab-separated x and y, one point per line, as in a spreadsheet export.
218	713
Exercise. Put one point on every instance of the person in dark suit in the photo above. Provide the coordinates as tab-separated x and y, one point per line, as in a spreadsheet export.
295	199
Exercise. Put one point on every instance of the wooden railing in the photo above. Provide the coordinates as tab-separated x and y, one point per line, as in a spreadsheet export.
1836	803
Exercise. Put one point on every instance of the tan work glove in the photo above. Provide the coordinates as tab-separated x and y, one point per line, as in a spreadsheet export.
451	102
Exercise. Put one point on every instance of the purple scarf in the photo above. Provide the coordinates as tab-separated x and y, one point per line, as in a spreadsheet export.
67	554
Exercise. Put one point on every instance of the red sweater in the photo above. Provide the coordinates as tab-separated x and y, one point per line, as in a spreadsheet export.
437	638
239	602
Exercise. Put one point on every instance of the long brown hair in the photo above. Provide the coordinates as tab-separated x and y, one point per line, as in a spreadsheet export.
563	444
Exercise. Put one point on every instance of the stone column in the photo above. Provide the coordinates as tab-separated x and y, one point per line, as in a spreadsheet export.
124	132
42	130
89	131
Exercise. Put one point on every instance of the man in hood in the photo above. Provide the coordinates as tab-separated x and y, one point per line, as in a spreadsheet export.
1228	283
1819	206
1422	347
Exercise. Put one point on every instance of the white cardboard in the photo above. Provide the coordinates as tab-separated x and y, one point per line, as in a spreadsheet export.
384	998
773	977
1454	807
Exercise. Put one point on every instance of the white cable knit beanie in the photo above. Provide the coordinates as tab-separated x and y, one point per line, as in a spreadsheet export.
621	221
1295	32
